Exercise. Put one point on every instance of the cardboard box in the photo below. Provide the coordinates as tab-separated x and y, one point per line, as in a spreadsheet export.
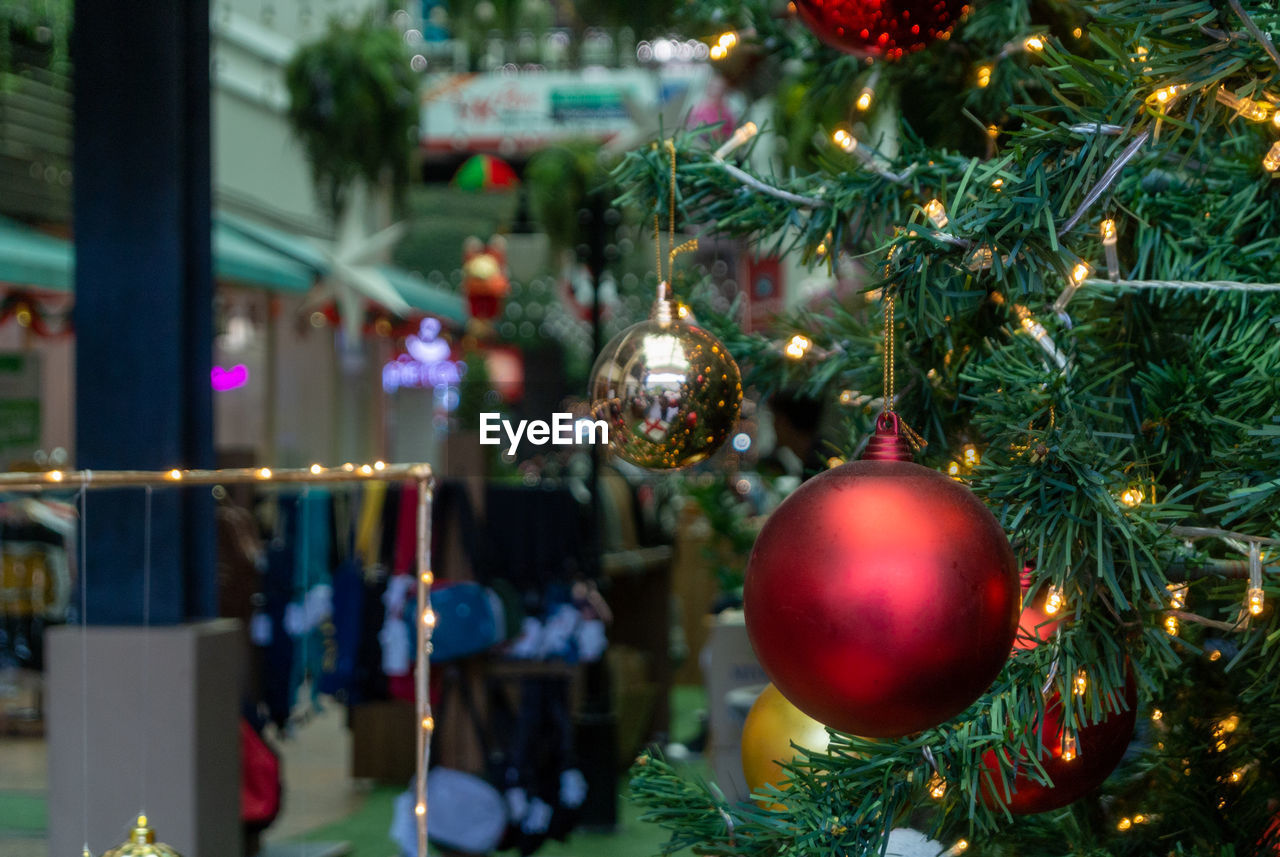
734	678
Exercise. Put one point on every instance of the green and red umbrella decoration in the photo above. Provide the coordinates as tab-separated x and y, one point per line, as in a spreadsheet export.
485	173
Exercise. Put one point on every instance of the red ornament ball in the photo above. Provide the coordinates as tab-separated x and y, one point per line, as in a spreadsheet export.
1098	749
881	28
881	598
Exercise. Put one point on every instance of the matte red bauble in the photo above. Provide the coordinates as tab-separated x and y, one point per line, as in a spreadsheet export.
880	28
1097	751
881	596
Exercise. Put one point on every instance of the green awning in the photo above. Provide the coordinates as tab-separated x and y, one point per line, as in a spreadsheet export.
31	259
244	252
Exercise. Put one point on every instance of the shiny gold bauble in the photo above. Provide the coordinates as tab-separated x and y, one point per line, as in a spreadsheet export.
142	843
668	389
772	726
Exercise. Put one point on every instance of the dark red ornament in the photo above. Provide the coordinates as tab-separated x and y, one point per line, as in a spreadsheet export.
881	597
881	28
1098	749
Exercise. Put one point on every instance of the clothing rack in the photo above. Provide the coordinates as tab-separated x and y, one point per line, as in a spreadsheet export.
421	473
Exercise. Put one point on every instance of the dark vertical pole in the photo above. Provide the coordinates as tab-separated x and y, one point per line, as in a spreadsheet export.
144	297
597	235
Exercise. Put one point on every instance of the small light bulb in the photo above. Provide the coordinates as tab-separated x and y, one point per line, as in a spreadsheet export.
1033	43
844	140
1124	824
1068	748
175	474
960	847
834	461
1171	625
1081	683
727	40
1132	497
420	809
1077	33
1177	595
996	184
798	346
1275	119
316	468
971	457
937	213
953	470
717	52
1237	775
984	76
349	467
1053	601
1271	161
1080	272
428	618
1230	723
937	787
1215	655
379	465
1108	230
865	97
1255	600
54	476
1157	715
428	723
428	577
1139	818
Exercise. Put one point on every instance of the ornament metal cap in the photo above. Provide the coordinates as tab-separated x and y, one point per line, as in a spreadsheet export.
664	308
142	843
888	443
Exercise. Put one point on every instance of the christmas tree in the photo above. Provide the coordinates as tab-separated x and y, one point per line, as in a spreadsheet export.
1070	240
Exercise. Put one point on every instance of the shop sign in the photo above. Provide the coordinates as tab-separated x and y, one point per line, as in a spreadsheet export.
521	112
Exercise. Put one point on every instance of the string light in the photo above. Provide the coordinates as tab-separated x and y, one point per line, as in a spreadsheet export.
971	457
844	140
1068	747
379	465
429	618
1033	43
1053	601
960	847
1037	332
1271	161
984	76
1275	119
175	474
428	723
1156	715
1255	601
428	578
953	470
741	135
1171	625
865	98
1132	497
1077	33
316	468
798	346
1124	824
937	787
264	473
54	475
1081	683
1256	111
1177	595
1215	655
1080	272
996	184
1109	239
1254	598
937	213
1167	94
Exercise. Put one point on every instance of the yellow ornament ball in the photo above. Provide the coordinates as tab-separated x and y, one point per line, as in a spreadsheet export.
772	726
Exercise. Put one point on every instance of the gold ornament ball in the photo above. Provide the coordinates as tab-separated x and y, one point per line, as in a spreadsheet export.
669	391
772	726
142	843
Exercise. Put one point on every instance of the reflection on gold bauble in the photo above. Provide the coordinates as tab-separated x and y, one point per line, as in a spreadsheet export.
142	843
772	726
668	389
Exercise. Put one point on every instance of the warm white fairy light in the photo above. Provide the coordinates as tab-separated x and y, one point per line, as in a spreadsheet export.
937	787
1171	625
1177	595
844	140
1109	240
937	213
54	476
1053	601
264	473
971	457
1157	715
1271	160
1070	747
741	136
1079	272
316	468
960	847
1033	43
1254	597
984	76
798	346
865	99
175	474
379	466
1132	496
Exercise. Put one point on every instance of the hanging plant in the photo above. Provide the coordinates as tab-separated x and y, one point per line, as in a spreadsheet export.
353	104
